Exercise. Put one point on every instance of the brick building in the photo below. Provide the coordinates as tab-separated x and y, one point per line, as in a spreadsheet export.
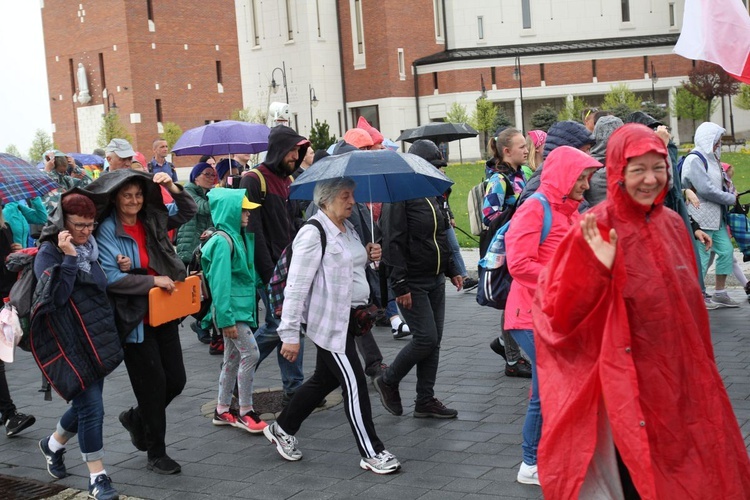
401	64
152	61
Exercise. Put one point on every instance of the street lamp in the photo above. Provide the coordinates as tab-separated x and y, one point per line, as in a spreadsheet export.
111	105
313	102
654	79
275	86
517	75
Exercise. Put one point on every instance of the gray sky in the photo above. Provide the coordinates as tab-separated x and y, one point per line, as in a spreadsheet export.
24	99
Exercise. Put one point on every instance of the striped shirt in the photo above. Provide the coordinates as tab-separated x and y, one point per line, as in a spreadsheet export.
317	293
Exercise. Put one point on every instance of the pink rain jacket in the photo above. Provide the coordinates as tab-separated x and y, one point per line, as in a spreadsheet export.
526	258
625	358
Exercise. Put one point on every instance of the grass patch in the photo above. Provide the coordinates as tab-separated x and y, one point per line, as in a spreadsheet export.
468	175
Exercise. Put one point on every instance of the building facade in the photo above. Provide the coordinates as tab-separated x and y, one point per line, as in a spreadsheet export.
151	61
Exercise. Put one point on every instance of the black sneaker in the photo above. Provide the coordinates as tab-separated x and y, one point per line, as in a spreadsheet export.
470	284
137	436
521	369
389	396
498	348
204	336
433	409
55	461
18	422
102	489
163	465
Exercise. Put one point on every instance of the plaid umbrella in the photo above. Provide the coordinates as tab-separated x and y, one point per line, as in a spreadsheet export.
20	180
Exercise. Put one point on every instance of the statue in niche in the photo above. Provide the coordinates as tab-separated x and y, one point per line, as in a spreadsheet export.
83	85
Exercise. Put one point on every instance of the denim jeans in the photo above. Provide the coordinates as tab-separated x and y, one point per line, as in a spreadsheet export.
292	375
450	234
391	309
425	320
532	426
85	417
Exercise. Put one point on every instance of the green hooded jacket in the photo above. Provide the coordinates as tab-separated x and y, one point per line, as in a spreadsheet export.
230	272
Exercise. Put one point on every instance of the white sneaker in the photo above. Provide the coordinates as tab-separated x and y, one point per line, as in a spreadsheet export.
724	300
382	463
527	474
286	445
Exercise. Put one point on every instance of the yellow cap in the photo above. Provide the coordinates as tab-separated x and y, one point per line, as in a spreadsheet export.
249	205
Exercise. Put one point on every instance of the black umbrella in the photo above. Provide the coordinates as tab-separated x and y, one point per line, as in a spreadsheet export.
439	132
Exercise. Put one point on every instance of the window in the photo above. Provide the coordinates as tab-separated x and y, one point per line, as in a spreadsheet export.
480	27
358	23
101	71
369	112
526	14
401	65
219	78
625	4
159	117
150	13
289	29
645	65
493	81
437	8
256	34
541	72
671	15
72	68
435	82
593	68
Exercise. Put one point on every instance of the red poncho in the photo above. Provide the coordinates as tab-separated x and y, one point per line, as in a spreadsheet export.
625	356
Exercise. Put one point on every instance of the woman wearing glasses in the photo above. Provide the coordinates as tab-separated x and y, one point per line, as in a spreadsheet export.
202	179
69	254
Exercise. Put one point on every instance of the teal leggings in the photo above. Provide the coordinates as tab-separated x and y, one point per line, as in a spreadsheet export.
722	248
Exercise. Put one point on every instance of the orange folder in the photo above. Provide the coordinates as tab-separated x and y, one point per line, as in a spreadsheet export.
184	301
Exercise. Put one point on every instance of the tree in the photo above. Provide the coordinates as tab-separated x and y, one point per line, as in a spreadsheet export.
707	80
652	109
743	98
172	133
319	136
457	114
502	119
688	106
543	118
573	110
249	115
619	98
621	111
41	143
483	119
112	128
13	150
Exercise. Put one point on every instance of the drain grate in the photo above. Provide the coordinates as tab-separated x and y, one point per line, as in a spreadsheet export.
16	488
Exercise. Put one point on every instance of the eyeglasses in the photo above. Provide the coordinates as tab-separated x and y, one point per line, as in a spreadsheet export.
209	173
78	226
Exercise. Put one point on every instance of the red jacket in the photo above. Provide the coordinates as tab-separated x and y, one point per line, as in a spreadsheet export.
525	256
629	349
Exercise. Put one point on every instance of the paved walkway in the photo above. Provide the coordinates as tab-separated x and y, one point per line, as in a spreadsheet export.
473	457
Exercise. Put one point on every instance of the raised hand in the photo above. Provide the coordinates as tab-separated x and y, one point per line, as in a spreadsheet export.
604	250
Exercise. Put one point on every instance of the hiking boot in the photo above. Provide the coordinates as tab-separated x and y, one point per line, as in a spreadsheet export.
389	396
55	461
528	474
102	489
724	300
204	336
470	284
137	435
17	422
286	445
250	422
433	409
226	418
521	369
382	463
216	347
163	465
498	348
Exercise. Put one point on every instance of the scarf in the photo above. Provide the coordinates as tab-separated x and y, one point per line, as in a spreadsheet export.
87	253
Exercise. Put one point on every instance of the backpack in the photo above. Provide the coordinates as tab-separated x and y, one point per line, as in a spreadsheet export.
195	267
678	169
277	283
21	295
475	201
494	276
500	219
262	181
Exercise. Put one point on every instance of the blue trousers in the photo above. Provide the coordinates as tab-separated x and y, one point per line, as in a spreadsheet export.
532	426
85	417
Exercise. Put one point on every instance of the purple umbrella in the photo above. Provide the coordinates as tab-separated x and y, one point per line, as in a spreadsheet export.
224	137
20	180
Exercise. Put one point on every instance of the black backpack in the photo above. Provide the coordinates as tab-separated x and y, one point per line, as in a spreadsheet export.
196	268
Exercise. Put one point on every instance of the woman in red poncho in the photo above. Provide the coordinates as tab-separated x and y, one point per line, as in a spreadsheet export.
632	401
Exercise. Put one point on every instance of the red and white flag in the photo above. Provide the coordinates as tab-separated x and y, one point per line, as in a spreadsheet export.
717	31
